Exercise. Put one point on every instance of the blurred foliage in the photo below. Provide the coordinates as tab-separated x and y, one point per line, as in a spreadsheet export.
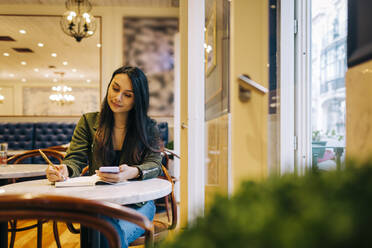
330	209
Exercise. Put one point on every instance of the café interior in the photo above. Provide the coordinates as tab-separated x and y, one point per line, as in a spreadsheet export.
240	91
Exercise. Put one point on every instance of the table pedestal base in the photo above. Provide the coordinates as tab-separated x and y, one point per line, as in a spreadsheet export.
89	238
3	234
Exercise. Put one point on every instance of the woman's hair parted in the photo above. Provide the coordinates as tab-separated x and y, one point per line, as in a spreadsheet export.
139	137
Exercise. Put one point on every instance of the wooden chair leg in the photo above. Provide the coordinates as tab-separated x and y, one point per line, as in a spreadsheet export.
39	234
13	225
72	229
56	234
166	198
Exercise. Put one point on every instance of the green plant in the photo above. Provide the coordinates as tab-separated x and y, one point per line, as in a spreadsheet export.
316	135
333	135
329	209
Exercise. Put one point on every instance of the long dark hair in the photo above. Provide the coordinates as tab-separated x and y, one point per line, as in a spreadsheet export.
141	135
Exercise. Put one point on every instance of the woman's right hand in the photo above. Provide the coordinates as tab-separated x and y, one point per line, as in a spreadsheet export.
61	174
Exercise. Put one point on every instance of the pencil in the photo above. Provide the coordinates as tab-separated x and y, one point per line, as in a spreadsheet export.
47	160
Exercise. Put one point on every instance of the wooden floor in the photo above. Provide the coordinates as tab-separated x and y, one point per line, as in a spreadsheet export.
29	238
68	240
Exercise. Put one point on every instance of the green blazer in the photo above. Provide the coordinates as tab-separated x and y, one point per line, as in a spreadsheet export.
80	152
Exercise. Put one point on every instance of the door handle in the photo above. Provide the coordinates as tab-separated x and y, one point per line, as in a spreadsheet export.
245	78
183	125
244	93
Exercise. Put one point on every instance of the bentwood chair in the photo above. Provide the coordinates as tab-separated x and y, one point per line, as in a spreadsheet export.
16	159
164	202
70	209
161	228
60	148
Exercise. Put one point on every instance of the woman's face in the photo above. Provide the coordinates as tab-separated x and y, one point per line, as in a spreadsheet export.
120	96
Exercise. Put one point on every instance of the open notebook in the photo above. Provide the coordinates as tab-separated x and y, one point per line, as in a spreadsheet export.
85	181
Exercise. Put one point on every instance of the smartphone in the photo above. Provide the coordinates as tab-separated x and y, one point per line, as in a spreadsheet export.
109	169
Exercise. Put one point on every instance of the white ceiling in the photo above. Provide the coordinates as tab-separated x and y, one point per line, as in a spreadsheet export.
131	3
83	56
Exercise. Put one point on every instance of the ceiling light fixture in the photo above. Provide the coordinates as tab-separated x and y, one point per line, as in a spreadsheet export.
6	54
40	44
23	63
23	80
77	22
36	69
65	63
53	55
22	31
60	95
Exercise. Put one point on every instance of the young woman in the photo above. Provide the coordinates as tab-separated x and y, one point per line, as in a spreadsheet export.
121	134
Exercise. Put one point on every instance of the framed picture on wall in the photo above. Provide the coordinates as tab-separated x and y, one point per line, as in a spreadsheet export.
210	41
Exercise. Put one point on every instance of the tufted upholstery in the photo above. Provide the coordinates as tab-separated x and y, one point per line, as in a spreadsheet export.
19	136
28	136
52	134
163	129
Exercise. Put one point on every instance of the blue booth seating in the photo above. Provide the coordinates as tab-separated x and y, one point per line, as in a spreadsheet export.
163	129
29	136
53	134
49	134
19	136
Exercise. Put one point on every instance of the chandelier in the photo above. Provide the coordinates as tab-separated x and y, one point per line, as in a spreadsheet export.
76	21
61	94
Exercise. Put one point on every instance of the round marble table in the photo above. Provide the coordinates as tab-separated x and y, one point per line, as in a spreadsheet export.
132	192
10	171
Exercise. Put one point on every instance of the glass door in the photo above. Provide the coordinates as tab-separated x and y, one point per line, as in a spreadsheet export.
217	14
328	67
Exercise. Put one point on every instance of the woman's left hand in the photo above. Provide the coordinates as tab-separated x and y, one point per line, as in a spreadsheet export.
126	172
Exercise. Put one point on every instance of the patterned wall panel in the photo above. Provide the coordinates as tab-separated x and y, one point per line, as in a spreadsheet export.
149	44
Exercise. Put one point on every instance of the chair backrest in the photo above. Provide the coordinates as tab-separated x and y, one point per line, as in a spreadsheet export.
72	209
171	196
16	159
172	199
60	148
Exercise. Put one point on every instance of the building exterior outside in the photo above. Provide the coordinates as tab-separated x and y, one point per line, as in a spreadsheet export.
329	32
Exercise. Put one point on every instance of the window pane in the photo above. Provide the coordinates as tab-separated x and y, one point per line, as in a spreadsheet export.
327	81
